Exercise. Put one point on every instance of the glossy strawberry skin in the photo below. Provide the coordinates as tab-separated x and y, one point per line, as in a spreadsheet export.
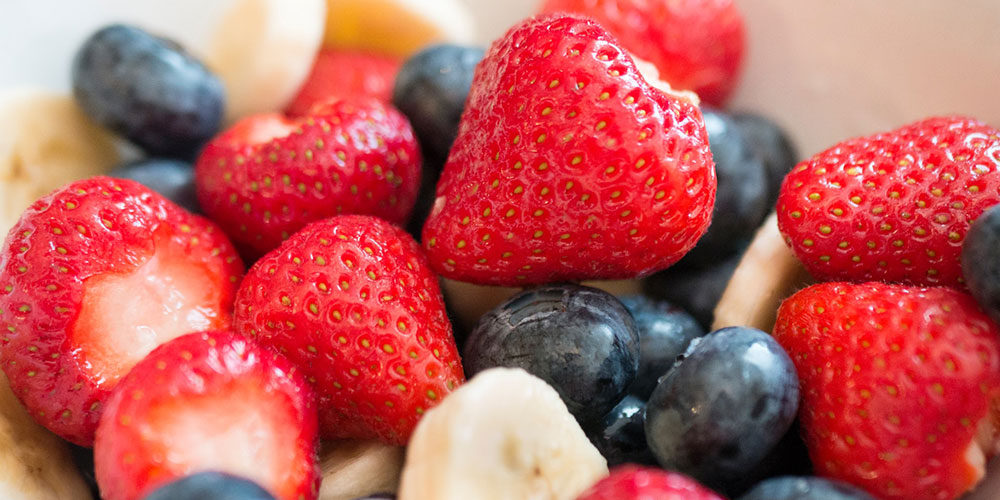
631	482
352	301
346	156
894	206
87	230
568	165
896	382
136	447
697	45
346	73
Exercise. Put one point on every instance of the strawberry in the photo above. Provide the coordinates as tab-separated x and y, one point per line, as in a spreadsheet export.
346	74
352	301
696	44
899	385
268	176
209	401
632	482
568	165
92	278
893	206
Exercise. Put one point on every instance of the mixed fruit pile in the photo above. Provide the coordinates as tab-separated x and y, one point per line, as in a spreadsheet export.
204	317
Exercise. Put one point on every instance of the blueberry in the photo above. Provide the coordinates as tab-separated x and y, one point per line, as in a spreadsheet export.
804	488
174	179
696	290
83	458
210	486
580	340
621	435
430	90
741	199
722	408
775	150
149	90
981	262
665	331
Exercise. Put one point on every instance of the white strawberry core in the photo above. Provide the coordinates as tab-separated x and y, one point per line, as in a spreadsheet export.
652	76
244	429
125	316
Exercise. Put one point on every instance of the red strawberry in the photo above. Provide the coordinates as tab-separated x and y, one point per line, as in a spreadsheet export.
352	301
92	278
893	206
346	74
268	176
696	44
900	386
568	165
631	482
209	401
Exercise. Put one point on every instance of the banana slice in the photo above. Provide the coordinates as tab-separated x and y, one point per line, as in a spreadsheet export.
767	274
46	141
354	469
397	27
263	51
34	463
504	435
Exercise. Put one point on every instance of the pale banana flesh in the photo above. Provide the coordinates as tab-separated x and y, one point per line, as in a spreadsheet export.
505	434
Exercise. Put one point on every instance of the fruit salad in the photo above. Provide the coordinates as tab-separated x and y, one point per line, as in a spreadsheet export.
452	249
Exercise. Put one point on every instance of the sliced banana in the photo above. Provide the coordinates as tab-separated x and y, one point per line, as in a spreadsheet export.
46	141
503	435
767	274
34	463
397	27
354	469
263	51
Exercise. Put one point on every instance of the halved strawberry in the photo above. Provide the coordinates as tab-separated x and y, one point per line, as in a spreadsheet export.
209	401
92	278
352	301
346	73
569	165
268	176
900	386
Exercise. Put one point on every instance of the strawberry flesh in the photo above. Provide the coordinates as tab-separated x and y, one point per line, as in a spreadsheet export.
209	401
92	278
125	316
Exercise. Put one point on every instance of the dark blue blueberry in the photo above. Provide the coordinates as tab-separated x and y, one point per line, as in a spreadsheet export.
430	90
665	331
789	457
149	90
981	261
696	290
804	488
210	486
174	179
723	407
775	150
580	340
83	458
429	173
620	436
741	199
